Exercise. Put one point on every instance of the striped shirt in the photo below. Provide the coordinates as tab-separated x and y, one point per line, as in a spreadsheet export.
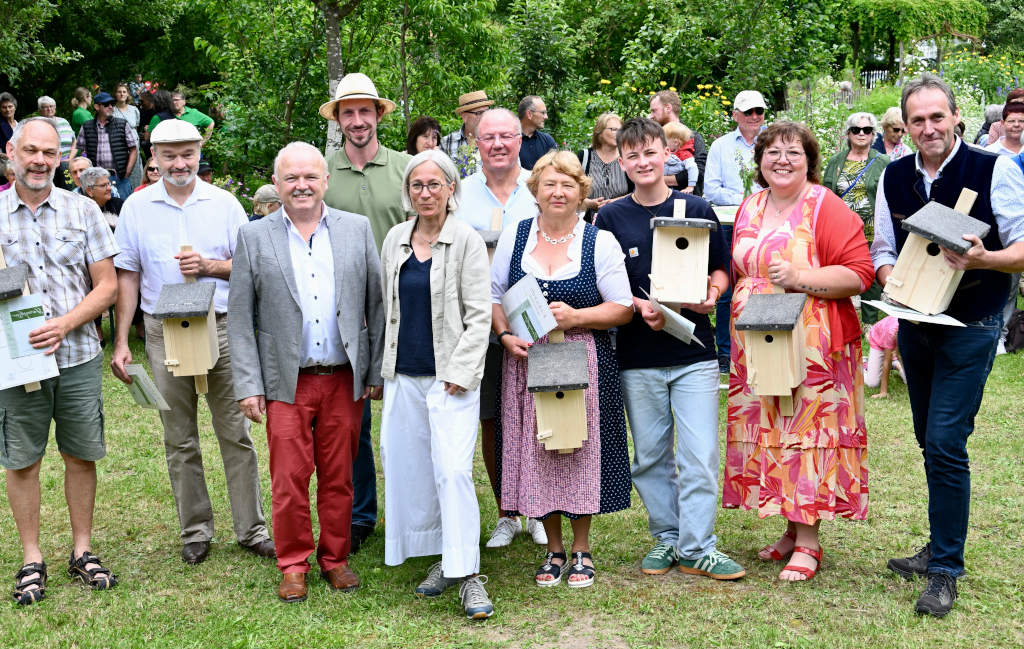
58	242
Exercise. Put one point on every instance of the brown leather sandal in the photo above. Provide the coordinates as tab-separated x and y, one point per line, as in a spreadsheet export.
23	594
98	578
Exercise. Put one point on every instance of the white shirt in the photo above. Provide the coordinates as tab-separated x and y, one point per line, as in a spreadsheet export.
313	268
477	202
153	227
609	265
1005	195
999	148
722	182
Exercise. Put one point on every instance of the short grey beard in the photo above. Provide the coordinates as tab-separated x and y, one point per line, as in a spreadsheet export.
182	183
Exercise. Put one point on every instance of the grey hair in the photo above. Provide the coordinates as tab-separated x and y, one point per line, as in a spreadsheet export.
448	169
526	104
89	177
299	146
501	111
856	117
16	135
993	112
46	100
926	81
5	166
8	97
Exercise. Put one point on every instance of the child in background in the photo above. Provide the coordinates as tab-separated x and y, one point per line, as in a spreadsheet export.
680	143
882	341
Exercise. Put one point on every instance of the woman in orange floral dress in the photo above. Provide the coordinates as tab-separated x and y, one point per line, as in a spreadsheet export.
798	236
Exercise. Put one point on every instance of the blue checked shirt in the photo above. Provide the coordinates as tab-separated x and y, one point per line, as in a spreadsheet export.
59	241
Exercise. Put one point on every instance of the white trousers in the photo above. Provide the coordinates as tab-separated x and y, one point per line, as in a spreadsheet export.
427	442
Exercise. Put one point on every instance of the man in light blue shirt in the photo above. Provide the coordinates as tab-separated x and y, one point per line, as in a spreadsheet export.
723	184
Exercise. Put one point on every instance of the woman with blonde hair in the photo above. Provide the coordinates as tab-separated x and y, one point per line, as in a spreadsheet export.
600	163
890	140
81	102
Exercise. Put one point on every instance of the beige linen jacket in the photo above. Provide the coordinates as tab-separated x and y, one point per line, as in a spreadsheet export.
460	300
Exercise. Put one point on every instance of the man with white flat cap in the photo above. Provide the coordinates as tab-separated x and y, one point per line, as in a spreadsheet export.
155	223
365	178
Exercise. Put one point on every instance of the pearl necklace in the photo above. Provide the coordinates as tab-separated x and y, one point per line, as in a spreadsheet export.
555	242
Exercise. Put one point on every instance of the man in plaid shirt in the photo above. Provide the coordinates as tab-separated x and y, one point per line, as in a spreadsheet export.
69	250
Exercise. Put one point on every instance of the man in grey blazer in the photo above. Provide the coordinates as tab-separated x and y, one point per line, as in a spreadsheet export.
306	327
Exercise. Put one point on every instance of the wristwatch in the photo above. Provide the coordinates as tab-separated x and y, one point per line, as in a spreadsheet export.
504	333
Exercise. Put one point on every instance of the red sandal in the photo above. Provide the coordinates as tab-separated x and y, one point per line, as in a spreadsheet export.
774	554
807	572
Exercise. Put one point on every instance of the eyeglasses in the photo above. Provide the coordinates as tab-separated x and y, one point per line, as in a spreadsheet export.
756	110
476	113
433	187
102	185
861	130
540	112
777	154
898	129
497	137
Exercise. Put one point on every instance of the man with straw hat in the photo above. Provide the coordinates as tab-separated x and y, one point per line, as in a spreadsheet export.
365	178
471	106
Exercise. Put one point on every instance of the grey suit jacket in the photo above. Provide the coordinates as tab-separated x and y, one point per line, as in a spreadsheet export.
264	319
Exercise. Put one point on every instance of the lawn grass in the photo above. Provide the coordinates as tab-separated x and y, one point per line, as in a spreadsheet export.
229	601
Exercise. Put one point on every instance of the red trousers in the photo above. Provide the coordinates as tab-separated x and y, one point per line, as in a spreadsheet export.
320	431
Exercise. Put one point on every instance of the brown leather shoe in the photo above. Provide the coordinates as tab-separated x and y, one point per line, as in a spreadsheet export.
292	588
264	548
341	578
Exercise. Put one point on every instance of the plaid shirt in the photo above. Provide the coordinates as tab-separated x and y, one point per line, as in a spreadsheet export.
58	242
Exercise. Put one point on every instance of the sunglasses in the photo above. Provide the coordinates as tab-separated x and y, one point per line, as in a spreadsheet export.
152	168
757	110
107	104
898	129
862	130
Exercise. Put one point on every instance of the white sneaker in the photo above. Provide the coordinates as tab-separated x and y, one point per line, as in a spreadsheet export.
535	528
504	532
1000	348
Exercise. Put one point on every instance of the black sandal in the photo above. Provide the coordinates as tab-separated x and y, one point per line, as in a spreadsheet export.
24	595
96	578
548	568
578	568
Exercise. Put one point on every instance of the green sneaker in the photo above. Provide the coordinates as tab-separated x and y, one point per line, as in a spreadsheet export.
660	559
714	564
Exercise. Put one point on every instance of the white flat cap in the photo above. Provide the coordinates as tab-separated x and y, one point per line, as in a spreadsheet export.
174	130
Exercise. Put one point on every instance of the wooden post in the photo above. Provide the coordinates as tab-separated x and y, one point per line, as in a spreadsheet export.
34	385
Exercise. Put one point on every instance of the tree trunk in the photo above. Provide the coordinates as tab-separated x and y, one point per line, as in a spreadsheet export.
902	53
401	59
892	52
855	63
335	12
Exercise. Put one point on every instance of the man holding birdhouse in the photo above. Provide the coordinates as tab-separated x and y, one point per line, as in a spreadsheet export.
67	247
947	367
178	229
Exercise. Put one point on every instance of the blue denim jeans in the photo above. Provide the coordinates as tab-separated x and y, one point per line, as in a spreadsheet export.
722	313
946	371
364	477
680	488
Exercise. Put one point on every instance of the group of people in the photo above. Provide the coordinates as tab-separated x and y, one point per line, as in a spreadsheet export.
373	280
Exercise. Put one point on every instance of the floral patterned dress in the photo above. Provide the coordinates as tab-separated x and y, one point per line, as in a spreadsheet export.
811	465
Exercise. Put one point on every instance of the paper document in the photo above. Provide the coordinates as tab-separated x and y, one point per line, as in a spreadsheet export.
527	310
675	324
905	313
20	362
143	390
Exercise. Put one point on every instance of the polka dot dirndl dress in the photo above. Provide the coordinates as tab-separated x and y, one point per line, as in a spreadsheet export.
593	479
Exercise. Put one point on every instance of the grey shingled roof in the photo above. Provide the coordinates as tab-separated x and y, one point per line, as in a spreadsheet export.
184	300
12	281
944	226
557	366
672	222
771	312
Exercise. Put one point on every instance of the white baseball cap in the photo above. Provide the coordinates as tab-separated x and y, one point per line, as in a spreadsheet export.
748	99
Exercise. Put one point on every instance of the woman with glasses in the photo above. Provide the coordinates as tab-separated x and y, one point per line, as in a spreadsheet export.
437	302
853	175
798	236
601	164
890	140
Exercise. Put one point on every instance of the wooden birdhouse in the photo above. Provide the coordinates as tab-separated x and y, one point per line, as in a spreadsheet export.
557	376
774	345
679	257
490	238
921	278
190	329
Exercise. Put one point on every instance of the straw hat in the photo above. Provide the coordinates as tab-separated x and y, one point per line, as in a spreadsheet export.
355	86
472	101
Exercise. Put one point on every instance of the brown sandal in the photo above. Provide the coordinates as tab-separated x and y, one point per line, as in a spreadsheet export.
96	578
24	595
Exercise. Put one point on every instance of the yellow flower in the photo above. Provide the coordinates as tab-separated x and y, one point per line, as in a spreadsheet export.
706	95
650	92
605	82
633	88
726	102
672	88
662	84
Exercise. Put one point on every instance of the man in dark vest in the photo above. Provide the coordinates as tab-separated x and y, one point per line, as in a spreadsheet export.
110	142
947	367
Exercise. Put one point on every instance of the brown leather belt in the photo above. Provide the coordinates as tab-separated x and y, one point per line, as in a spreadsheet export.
322	370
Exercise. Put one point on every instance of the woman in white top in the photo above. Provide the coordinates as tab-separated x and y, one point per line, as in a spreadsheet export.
581	273
124	109
1013	126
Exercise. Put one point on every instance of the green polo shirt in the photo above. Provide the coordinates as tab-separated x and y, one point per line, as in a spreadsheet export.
194	117
375	191
78	117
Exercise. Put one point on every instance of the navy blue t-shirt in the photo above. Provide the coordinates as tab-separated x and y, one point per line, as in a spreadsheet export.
415	334
533	147
637	345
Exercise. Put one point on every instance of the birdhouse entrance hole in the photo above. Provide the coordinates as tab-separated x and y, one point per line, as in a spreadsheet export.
184	324
559	395
933	249
769	338
682	243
